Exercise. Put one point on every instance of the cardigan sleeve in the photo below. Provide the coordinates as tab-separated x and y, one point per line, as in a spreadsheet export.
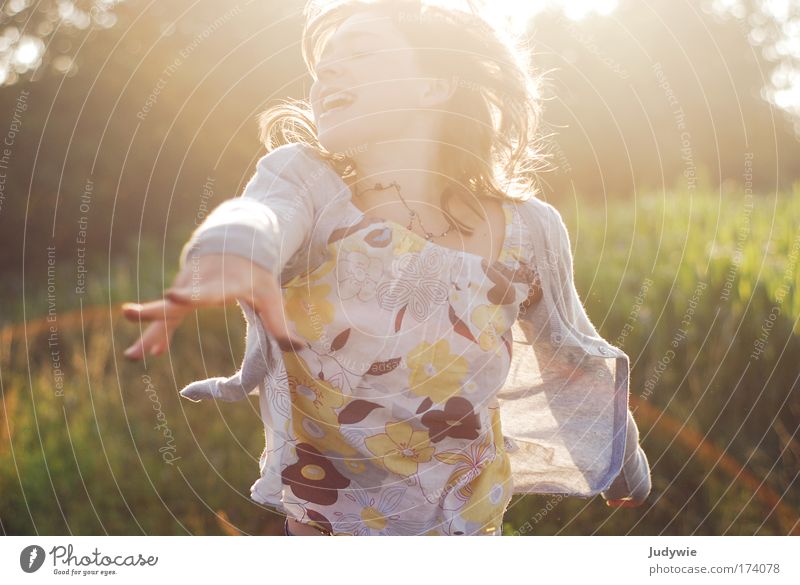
559	258
633	481
269	222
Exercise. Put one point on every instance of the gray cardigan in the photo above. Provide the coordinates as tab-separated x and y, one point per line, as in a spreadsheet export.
564	407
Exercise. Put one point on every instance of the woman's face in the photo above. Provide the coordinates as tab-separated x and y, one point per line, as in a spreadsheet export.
368	86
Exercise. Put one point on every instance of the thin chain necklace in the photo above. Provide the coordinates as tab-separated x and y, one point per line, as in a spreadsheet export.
412	214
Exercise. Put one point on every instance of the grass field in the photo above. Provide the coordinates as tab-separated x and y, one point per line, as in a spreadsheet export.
703	293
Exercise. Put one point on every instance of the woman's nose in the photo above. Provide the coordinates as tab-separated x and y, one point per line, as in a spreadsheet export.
328	70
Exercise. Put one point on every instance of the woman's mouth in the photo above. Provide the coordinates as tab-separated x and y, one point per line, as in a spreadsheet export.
337	102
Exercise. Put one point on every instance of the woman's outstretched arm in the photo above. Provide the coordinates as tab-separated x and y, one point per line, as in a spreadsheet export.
272	219
237	253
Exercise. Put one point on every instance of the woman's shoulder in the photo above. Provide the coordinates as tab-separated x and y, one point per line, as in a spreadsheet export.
537	211
545	225
540	223
303	165
292	156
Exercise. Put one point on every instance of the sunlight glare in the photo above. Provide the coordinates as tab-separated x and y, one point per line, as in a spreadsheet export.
28	52
579	9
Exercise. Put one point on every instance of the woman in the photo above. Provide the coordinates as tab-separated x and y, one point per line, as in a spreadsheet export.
382	349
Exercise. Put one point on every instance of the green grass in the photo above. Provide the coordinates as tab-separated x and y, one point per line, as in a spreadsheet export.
719	426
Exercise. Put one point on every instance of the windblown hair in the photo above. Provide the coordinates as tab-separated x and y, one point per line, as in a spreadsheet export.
489	135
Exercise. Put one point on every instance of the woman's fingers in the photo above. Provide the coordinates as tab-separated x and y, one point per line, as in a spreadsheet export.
159	309
198	297
213	280
218	279
165	317
153	341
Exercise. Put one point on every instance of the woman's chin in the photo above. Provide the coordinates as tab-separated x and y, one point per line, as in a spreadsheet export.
338	140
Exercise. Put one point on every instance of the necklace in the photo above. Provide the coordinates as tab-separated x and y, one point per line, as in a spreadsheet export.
412	214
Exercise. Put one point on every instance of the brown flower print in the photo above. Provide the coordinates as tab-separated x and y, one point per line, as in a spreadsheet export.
313	477
456	420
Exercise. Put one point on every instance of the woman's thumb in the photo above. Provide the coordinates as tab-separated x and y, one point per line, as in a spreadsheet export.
273	319
181	296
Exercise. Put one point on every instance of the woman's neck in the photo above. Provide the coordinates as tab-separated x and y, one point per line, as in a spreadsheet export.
413	165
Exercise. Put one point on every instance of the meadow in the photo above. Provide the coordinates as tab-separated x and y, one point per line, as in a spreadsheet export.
701	290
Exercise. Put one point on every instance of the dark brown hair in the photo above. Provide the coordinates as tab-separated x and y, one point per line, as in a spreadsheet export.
489	137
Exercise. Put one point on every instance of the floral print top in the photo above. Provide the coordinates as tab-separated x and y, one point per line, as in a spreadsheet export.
388	422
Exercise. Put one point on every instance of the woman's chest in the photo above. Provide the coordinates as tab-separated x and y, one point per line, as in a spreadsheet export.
384	281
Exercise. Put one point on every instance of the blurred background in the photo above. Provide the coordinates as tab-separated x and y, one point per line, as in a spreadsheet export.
674	131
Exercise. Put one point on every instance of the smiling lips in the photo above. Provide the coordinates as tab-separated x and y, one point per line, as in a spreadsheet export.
337	101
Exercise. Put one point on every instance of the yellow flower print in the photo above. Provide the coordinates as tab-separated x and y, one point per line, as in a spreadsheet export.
373	519
309	308
491	321
435	372
490	492
401	448
314	419
407	241
313	275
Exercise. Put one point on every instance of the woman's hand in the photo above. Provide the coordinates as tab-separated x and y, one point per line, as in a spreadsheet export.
208	281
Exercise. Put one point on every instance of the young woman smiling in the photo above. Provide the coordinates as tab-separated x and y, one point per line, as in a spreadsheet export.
384	252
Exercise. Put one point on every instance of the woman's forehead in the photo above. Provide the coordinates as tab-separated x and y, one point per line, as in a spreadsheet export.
365	25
